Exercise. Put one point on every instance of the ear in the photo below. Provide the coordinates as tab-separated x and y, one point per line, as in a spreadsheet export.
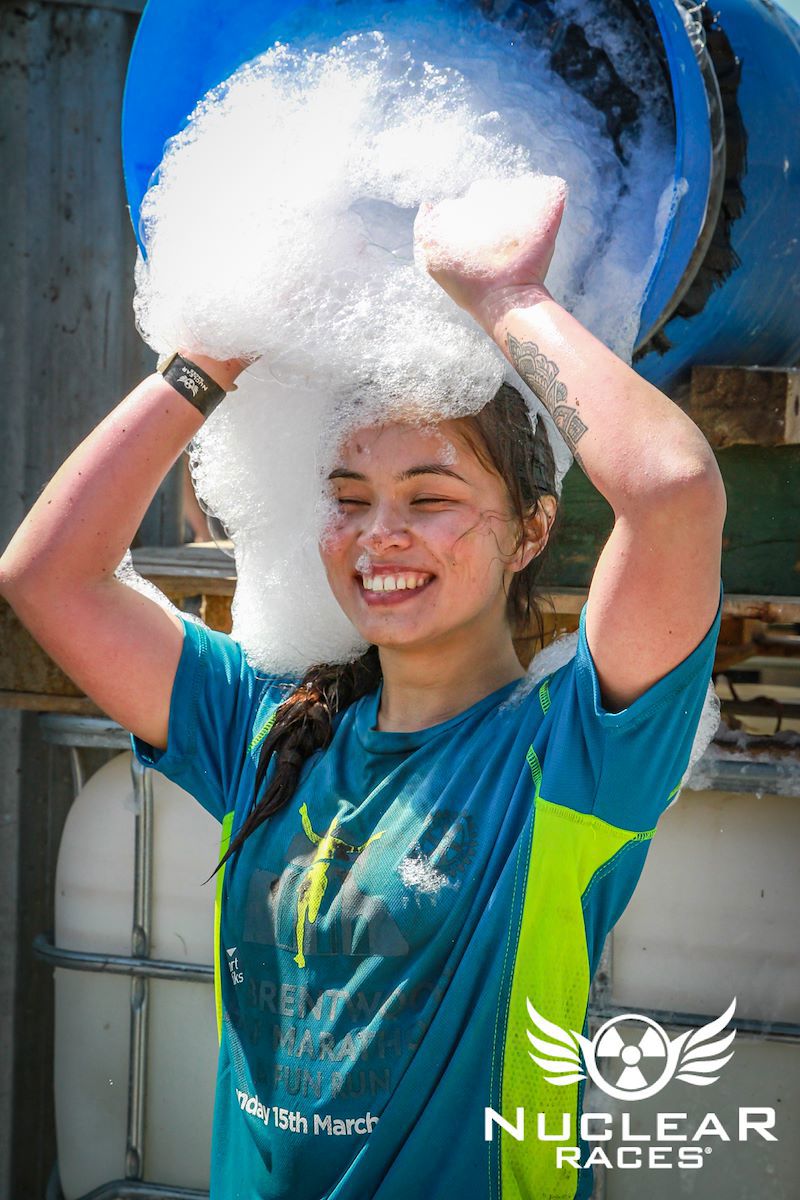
537	531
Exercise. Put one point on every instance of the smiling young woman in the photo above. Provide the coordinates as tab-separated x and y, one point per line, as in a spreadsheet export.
420	559
416	843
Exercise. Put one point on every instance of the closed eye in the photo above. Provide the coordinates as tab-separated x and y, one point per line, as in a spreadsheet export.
353	500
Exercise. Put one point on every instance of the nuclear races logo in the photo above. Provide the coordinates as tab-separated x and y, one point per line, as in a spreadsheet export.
632	1057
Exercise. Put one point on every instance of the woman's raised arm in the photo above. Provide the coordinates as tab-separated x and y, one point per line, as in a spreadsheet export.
57	572
656	587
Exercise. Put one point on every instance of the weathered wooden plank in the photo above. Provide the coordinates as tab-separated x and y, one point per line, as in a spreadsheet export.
29	679
746	405
70	352
190	583
204	557
193	569
24	666
774	610
585	519
216	612
761	538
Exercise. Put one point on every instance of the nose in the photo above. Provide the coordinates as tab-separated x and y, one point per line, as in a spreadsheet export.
384	529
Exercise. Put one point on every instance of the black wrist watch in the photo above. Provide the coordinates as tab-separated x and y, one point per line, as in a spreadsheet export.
191	382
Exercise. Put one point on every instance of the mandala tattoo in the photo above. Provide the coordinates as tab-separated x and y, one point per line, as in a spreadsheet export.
540	374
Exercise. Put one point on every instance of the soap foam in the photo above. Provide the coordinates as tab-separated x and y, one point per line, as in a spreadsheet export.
280	225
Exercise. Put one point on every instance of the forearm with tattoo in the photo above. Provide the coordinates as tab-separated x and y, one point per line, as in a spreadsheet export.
541	375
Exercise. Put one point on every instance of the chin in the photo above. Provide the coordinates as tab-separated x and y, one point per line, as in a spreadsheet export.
380	635
390	639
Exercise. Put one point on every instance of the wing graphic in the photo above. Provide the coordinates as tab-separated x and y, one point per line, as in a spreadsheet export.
699	1057
562	1050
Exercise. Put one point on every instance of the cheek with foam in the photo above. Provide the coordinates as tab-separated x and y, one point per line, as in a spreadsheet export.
330	521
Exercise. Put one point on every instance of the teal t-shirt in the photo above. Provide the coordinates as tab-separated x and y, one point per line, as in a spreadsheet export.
381	934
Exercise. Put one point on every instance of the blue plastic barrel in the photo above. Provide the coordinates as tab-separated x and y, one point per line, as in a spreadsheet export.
726	283
746	276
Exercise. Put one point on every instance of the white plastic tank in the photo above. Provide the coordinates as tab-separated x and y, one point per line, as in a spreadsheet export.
94	913
714	917
715	912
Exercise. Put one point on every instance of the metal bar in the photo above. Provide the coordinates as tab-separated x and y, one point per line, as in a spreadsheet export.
745	773
766	706
785	664
140	947
120	964
78	777
742	774
128	1189
773	1031
790	641
68	729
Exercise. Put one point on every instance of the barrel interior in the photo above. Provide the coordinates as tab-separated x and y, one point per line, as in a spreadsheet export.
612	55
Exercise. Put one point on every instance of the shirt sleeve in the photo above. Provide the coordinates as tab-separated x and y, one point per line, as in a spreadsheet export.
626	767
213	705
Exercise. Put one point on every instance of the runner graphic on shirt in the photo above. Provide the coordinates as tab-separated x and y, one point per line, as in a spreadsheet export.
312	889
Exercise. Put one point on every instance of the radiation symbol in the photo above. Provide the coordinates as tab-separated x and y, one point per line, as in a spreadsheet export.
632	1053
630	1057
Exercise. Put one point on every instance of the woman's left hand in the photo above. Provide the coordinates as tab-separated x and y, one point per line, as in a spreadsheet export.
496	239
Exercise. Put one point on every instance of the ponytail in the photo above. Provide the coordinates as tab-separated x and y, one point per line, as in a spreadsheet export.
303	724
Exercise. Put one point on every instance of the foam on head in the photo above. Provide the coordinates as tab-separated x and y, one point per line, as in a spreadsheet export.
280	224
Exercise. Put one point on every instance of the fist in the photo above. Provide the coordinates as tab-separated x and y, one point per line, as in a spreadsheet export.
222	371
499	236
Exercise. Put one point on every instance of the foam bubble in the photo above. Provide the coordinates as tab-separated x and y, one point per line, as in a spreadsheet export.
280	224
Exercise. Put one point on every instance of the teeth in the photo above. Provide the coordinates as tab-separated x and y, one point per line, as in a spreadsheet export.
392	583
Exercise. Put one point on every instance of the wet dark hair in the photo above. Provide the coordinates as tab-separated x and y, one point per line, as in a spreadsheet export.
503	440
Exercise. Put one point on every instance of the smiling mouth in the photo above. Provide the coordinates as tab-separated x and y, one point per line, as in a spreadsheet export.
400	581
385	588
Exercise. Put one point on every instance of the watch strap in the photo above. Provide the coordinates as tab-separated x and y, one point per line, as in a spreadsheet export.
192	383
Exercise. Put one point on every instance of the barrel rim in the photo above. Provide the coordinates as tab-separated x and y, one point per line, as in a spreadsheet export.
699	160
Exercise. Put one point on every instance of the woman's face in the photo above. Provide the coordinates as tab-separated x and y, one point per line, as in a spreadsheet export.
421	536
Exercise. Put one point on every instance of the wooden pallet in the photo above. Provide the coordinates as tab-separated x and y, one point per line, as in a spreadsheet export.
204	576
751	418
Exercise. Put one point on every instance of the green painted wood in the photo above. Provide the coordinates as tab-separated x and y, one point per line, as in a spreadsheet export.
761	539
584	522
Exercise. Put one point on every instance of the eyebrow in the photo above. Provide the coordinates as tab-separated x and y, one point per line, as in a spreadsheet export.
411	473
